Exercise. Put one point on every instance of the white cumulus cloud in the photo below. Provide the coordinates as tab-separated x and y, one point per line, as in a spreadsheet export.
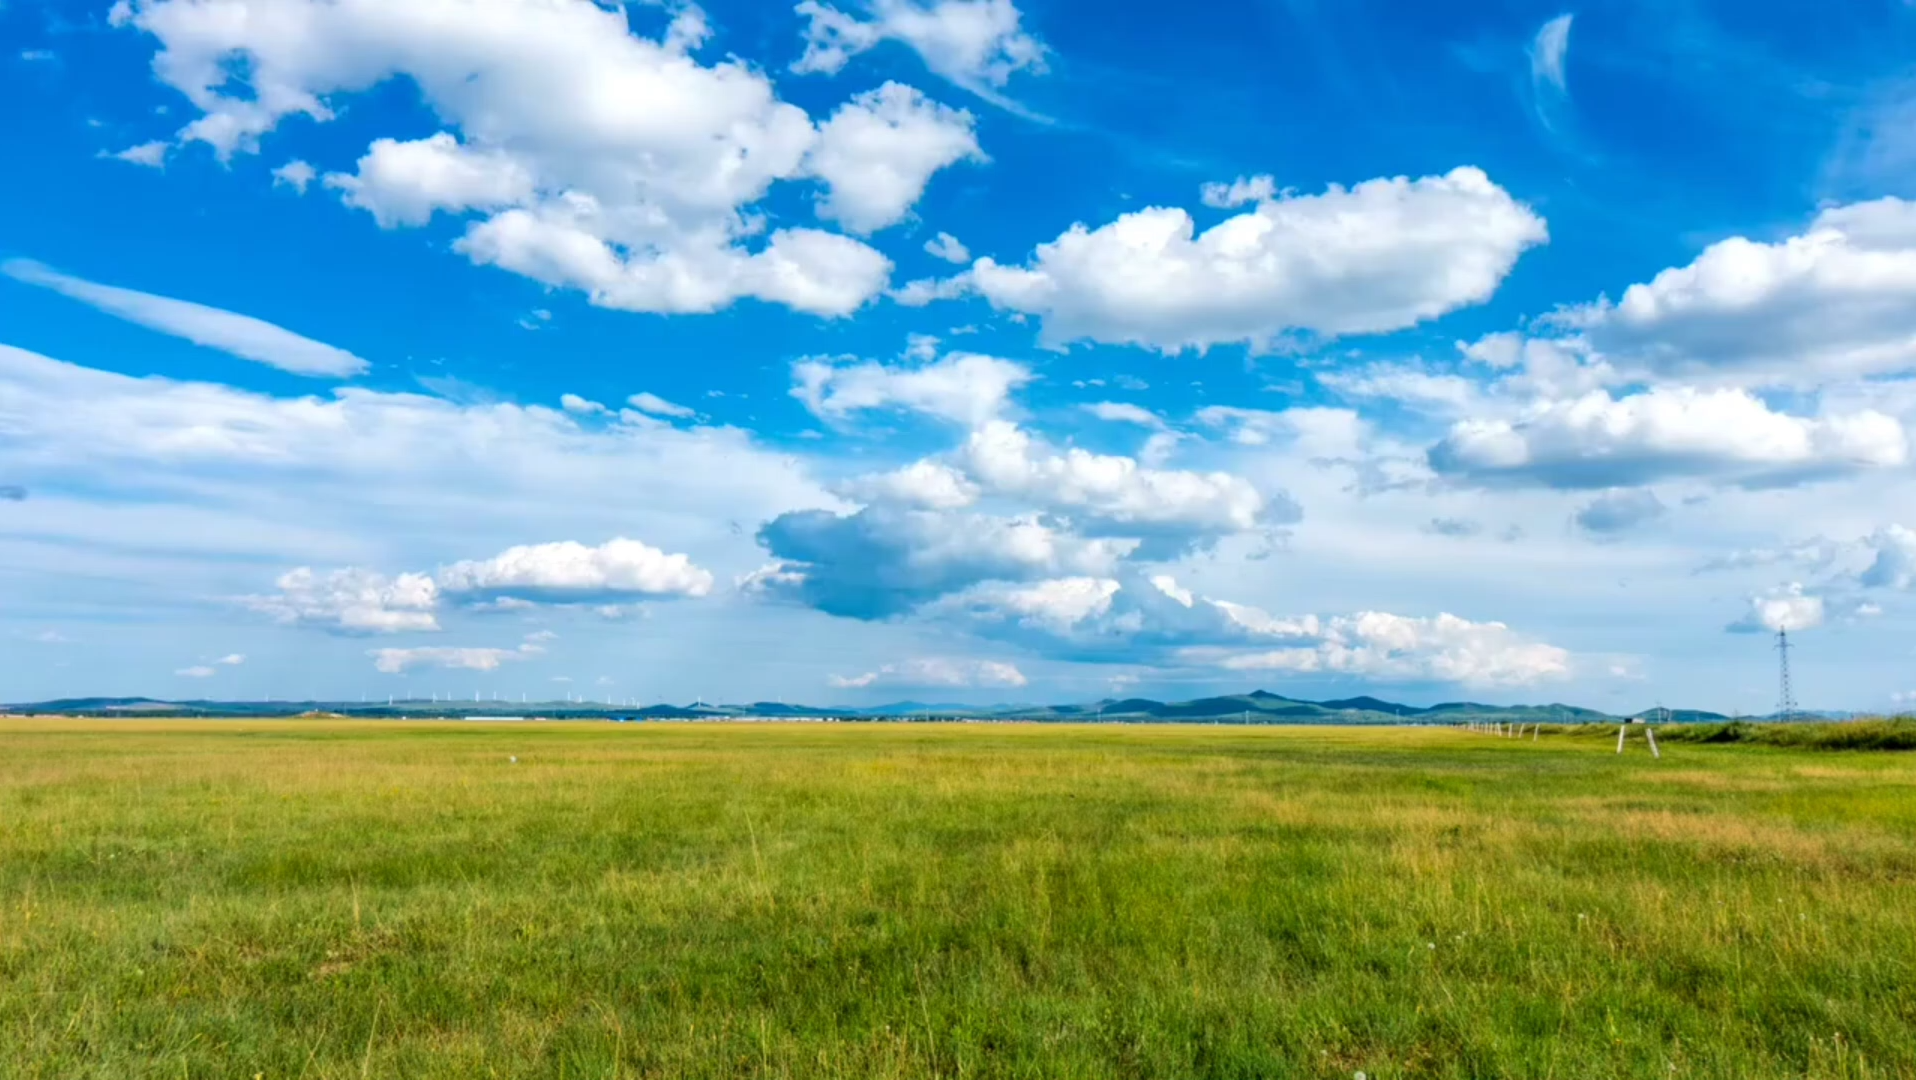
571	572
405	183
1836	301
1007	460
928	485
887	559
879	150
963	387
578	151
1386	647
977	44
1381	256
1729	435
949	248
1787	608
1057	604
352	600
295	174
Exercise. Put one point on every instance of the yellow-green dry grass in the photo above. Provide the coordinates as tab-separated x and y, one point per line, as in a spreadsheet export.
327	899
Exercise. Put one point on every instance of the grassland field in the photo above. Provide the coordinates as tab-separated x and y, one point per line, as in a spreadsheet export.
349	899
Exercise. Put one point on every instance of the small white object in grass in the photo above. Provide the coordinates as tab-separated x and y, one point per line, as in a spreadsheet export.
515	760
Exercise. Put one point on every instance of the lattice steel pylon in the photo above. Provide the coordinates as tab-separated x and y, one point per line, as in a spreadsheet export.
1785	697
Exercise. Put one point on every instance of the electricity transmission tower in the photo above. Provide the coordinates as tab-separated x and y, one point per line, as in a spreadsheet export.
1785	697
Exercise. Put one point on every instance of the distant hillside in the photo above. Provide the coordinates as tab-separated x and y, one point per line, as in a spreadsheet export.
1257	707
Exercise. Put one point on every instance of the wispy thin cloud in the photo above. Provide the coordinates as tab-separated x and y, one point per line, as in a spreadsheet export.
1547	52
1549	87
241	335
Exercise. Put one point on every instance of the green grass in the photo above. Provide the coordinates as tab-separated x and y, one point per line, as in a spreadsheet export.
1874	734
323	899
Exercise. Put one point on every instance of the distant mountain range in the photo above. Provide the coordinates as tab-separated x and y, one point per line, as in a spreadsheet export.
1259	707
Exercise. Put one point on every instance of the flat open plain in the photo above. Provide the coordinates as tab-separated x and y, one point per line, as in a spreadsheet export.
330	899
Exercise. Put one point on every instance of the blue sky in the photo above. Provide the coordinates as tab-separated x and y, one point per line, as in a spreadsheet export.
957	349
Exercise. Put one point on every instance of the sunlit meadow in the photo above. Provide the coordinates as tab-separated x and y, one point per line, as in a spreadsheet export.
331	899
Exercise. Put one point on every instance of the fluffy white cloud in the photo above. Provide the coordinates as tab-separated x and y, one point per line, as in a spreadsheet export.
243	336
405	183
1056	605
879	150
1788	608
1157	621
653	405
579	406
1382	646
1730	435
922	291
885	560
1120	412
948	247
1245	189
935	672
232	659
1838	300
560	245
962	387
977	44
927	485
585	155
571	572
1111	489
295	174
352	600
1384	255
